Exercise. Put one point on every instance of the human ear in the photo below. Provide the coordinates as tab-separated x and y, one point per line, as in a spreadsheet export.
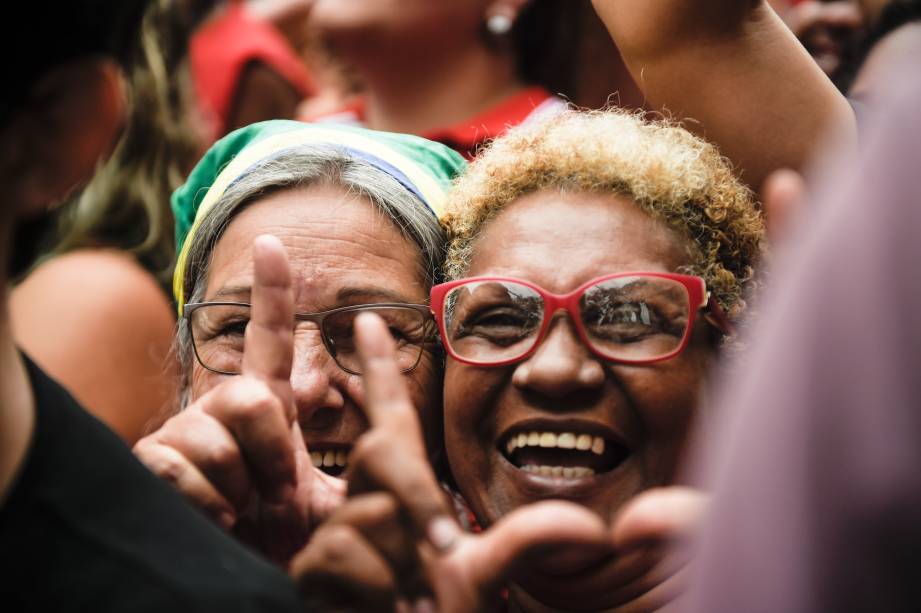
70	118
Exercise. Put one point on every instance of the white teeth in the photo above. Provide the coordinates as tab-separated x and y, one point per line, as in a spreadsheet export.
598	445
567	440
566	472
338	457
547	440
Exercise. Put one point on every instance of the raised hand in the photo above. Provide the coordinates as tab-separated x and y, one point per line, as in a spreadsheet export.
396	541
737	73
237	451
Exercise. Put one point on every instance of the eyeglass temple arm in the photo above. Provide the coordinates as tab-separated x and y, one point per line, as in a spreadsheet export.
716	316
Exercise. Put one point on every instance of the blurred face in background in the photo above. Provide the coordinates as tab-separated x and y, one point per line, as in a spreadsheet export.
825	27
367	25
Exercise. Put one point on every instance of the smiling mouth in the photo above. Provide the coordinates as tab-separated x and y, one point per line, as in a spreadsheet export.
332	461
564	455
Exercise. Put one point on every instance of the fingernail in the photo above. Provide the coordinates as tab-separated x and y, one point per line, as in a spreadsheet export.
443	533
424	605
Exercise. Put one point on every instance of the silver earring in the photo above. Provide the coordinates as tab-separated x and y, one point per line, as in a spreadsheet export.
499	25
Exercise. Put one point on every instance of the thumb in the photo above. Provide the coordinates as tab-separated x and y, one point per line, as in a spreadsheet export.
493	556
658	515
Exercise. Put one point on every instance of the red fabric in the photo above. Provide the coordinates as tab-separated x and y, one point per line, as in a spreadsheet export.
220	51
465	136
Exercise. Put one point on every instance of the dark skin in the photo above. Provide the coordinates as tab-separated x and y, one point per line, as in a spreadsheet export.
562	387
380	550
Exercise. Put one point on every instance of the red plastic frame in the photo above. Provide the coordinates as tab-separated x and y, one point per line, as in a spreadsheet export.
695	286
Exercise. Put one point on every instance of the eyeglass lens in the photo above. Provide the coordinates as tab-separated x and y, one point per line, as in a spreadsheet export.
218	330
630	318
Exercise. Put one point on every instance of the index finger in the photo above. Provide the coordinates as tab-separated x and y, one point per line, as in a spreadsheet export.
387	402
268	347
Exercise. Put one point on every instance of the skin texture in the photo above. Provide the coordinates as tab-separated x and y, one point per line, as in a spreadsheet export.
250	435
724	64
395	543
648	407
424	65
100	325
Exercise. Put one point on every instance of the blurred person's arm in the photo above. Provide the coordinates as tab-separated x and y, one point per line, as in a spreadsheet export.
736	73
101	326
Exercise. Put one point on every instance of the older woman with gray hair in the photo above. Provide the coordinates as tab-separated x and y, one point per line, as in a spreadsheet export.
286	233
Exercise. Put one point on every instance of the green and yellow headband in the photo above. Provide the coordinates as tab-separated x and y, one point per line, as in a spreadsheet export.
423	167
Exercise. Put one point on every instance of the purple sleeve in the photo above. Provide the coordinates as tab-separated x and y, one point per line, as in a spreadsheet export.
817	482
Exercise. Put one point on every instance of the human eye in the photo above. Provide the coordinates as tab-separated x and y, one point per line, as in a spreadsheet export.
501	325
221	324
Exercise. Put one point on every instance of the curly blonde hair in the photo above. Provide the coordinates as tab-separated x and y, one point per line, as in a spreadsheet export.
671	174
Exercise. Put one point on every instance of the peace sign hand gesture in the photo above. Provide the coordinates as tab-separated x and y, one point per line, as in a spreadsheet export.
237	452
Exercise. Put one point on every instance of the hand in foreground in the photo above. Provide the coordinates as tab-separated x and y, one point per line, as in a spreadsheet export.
647	569
396	541
237	452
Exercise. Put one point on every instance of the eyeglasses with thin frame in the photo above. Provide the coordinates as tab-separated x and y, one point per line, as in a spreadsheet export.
628	318
217	330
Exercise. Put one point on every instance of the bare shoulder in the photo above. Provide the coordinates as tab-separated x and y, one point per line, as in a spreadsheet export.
99	323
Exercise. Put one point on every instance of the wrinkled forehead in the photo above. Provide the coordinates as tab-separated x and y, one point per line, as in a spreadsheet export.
564	239
335	243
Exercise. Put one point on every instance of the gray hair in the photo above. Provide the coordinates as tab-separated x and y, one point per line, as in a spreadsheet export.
304	166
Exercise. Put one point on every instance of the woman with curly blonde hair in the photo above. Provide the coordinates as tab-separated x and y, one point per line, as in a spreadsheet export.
595	263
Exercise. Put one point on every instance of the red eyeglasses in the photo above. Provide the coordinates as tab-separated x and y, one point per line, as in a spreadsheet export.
629	318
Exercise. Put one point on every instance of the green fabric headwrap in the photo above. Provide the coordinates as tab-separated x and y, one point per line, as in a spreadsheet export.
424	167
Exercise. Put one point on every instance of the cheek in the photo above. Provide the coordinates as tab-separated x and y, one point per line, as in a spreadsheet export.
203	380
424	385
469	401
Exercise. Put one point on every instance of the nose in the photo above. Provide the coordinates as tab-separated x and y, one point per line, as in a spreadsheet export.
315	379
561	365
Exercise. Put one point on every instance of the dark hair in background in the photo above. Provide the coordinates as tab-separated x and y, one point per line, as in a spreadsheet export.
894	15
126	205
42	37
546	39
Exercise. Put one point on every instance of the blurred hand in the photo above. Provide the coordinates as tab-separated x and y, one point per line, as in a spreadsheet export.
396	539
237	452
395	542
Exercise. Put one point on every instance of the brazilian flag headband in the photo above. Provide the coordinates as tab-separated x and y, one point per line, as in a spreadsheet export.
423	167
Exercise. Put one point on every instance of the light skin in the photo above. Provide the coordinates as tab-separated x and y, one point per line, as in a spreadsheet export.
554	554
765	80
250	435
425	65
101	307
81	114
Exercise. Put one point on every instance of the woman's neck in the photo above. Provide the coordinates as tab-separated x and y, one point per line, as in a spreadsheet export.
17	406
427	93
